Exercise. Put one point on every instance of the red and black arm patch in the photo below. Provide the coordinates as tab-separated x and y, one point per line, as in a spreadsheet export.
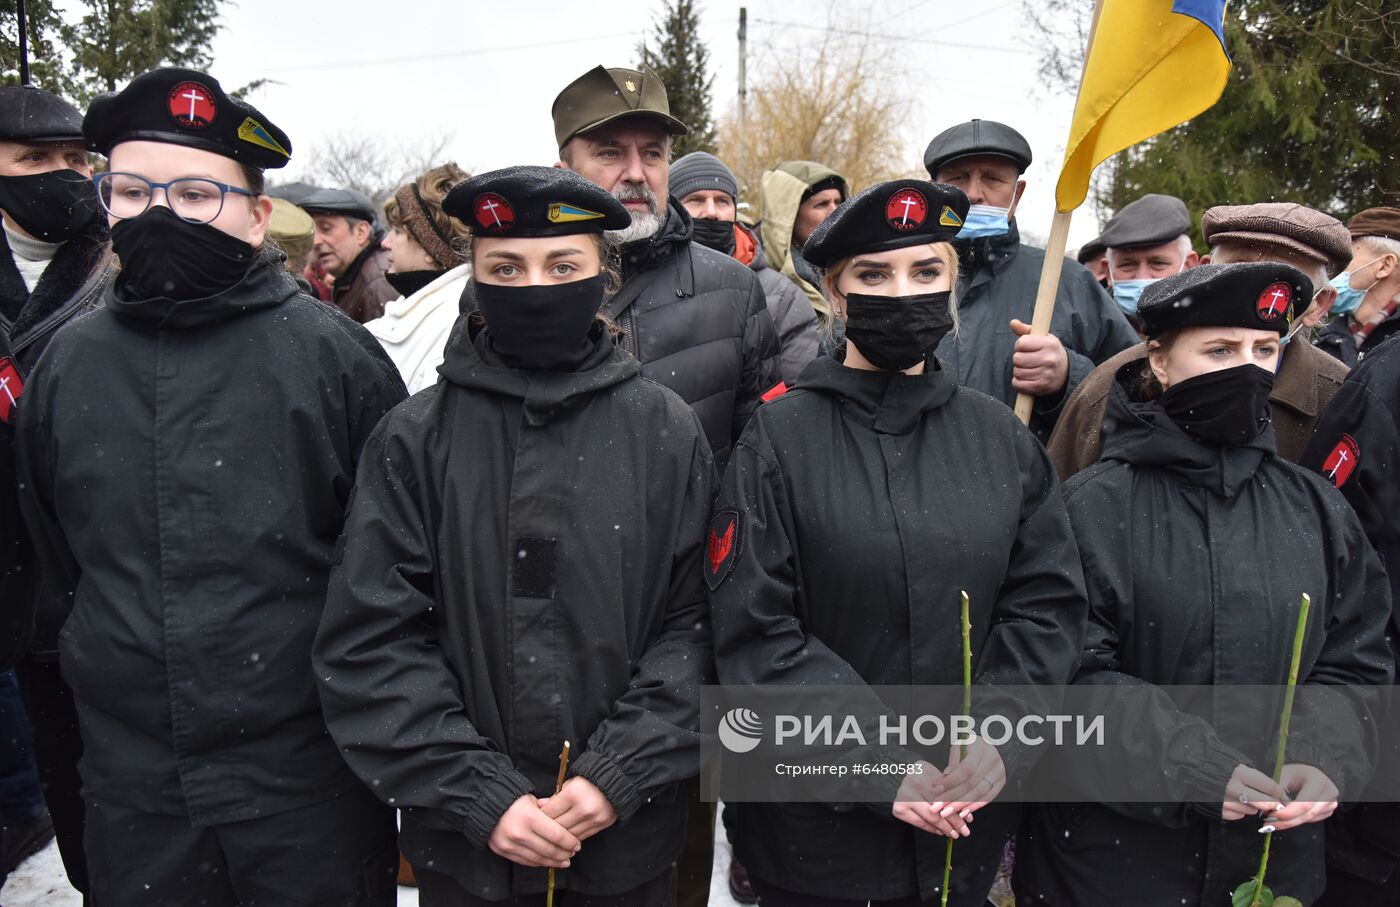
774	392
721	546
1342	461
11	388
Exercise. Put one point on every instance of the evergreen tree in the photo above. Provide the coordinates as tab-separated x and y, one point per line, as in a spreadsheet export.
117	40
45	64
682	61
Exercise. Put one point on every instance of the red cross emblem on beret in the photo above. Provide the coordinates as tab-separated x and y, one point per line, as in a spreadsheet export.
11	387
906	210
192	105
1274	301
1341	461
493	213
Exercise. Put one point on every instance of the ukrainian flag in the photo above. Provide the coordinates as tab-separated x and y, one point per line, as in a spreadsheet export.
1152	65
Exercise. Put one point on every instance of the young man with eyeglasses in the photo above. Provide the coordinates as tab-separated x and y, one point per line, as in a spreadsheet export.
188	484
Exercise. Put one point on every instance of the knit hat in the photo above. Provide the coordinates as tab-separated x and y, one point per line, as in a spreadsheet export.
699	171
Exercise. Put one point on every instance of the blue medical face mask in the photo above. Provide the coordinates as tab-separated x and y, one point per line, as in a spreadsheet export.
985	220
1349	298
1127	293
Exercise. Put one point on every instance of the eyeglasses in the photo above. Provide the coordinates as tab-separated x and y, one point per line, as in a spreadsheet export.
197	200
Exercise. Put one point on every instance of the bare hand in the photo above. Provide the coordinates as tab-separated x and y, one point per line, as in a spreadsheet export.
527	836
970	783
1314	797
580	808
911	802
1261	794
1040	365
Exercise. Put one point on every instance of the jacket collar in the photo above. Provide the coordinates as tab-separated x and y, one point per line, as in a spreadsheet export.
890	403
1139	432
344	282
648	254
470	362
403	315
266	285
67	272
983	258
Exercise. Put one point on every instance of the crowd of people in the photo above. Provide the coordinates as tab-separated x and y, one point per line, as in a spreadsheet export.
326	523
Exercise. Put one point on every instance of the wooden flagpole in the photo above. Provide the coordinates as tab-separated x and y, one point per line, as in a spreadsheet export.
1055	249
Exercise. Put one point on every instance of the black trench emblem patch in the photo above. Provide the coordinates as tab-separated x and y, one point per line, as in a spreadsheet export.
721	546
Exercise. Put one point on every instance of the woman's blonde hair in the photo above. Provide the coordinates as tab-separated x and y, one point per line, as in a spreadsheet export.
431	187
832	275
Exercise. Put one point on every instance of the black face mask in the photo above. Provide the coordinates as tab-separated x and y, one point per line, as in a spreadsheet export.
1225	408
540	327
714	234
410	282
53	206
163	256
897	332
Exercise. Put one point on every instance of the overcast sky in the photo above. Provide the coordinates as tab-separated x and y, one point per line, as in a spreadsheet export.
487	72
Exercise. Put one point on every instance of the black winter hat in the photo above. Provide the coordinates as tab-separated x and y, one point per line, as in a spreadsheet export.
185	107
1263	296
534	201
892	215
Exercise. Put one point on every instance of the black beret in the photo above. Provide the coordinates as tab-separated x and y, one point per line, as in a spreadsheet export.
1148	221
1263	296
185	107
339	201
977	137
534	201
30	114
892	215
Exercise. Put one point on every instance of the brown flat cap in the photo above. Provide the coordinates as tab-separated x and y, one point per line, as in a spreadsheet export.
602	95
1376	222
1318	236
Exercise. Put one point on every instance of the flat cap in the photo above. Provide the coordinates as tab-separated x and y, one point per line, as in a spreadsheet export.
30	114
296	193
1091	250
340	201
534	201
977	137
601	96
185	107
891	215
700	171
1310	233
1262	296
1148	221
1376	222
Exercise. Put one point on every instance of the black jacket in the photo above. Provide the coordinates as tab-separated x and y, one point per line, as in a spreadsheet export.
1195	559
998	282
502	590
187	468
865	501
72	285
15	619
1336	338
697	321
1357	447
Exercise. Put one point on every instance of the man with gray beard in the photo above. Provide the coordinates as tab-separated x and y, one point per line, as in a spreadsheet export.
695	318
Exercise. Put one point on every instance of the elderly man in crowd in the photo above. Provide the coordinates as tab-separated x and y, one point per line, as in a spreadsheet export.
348	247
1368	293
1144	242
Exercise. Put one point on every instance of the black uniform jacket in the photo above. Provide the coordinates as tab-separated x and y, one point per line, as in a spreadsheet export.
1196	557
864	502
521	567
187	468
15	581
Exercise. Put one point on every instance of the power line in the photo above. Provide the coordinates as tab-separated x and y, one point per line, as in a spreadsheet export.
470	52
922	39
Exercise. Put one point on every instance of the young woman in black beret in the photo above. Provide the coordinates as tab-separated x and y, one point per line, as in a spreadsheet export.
1198	542
521	568
857	507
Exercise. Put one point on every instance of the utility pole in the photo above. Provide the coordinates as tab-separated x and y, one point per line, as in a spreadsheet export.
743	62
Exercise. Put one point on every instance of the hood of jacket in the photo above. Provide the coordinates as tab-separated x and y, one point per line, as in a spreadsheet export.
267	284
745	237
470	362
891	403
781	190
1139	432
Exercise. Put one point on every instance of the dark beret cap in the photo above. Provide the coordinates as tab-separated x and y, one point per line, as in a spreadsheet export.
602	95
1148	221
534	201
30	114
977	137
1262	295
891	215
185	107
1376	222
340	201
1308	232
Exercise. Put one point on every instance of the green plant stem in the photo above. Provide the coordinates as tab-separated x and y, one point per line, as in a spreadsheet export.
1298	634
966	709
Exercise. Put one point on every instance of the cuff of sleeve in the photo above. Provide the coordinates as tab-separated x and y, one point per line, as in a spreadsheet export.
489	802
603	772
1207	778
